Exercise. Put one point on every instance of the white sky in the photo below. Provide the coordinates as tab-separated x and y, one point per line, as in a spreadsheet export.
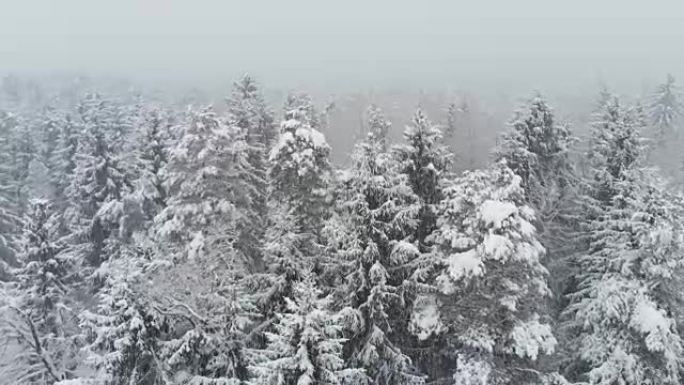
550	43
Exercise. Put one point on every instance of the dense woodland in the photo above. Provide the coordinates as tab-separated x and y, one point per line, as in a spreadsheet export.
146	243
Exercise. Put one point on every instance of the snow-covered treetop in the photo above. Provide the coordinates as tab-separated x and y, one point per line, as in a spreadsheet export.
666	106
616	144
378	125
247	110
485	222
486	240
622	307
300	167
536	147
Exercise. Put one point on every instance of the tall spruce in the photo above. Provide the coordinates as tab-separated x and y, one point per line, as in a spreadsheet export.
305	347
622	310
248	111
491	285
99	184
39	312
666	108
209	196
372	234
425	161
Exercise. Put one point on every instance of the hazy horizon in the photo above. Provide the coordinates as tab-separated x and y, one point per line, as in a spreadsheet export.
493	46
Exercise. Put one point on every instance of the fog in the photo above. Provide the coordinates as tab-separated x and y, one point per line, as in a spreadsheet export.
397	193
350	45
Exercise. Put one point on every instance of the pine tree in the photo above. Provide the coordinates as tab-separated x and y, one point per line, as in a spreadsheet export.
152	147
300	166
379	125
208	183
537	149
491	283
22	150
425	161
458	131
62	162
125	330
39	315
306	345
371	233
10	227
621	312
208	199
455	119
308	113
299	176
622	308
44	131
248	111
666	108
97	189
208	315
614	147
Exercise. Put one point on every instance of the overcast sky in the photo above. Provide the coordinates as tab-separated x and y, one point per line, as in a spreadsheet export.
350	43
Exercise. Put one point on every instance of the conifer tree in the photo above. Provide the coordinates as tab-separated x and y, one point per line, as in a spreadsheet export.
491	283
452	118
208	198
372	234
666	108
39	312
306	345
152	147
379	126
615	145
536	148
62	162
22	152
425	161
98	185
299	176
125	330
248	111
300	167
10	227
622	310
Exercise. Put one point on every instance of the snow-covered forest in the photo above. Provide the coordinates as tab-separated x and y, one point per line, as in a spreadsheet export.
154	243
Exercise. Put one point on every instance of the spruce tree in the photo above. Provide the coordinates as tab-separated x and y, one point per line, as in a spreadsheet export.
666	108
491	282
425	161
39	314
306	345
300	166
372	234
248	111
537	149
98	184
62	161
153	129
300	177
10	222
125	330
379	125
622	310
209	194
